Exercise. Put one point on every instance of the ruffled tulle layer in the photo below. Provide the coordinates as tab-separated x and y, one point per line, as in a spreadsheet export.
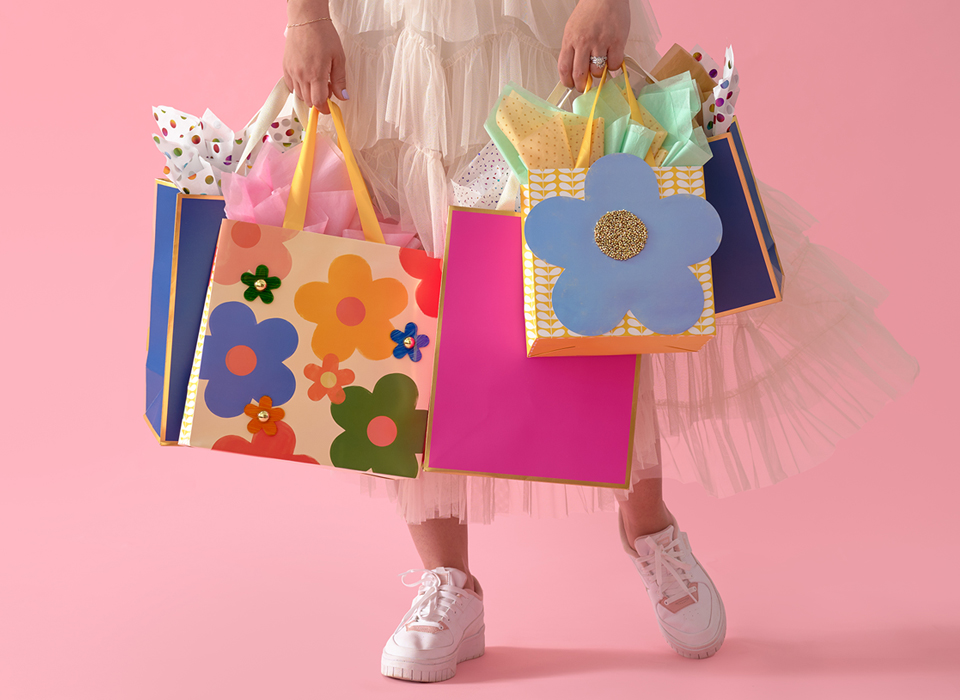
423	75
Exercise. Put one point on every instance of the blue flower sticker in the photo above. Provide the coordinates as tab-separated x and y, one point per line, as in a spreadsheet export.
243	359
409	343
595	291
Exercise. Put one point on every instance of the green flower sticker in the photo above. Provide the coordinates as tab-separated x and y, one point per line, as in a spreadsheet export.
260	285
383	430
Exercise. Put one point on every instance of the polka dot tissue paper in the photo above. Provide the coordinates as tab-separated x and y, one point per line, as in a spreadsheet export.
198	150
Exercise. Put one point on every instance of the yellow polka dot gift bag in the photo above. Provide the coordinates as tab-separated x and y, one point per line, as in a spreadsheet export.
315	348
616	247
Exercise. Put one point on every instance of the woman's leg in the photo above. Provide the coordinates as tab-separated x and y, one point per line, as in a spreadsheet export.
443	542
644	511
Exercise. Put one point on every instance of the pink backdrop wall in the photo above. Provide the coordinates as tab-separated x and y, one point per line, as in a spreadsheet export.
130	571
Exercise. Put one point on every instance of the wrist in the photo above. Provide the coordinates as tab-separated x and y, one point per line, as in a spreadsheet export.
306	10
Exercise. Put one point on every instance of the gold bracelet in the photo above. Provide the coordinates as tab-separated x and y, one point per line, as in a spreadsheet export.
300	24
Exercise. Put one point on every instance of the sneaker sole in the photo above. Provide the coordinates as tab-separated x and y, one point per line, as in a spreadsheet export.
701	652
438	670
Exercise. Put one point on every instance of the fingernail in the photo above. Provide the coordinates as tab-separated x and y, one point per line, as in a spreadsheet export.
345	95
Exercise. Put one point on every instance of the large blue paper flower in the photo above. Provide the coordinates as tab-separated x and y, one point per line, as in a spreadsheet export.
243	359
595	291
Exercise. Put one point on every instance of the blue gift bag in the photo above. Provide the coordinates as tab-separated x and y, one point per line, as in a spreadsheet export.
186	233
746	270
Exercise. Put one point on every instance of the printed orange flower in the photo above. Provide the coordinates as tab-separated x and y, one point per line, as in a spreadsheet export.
352	310
263	416
328	379
243	246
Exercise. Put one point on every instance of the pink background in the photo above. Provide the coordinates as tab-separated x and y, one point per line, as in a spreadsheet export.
131	571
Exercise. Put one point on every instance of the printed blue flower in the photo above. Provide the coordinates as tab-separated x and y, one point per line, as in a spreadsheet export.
594	291
409	343
243	360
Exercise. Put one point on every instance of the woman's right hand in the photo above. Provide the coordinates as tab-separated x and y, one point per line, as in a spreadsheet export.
314	65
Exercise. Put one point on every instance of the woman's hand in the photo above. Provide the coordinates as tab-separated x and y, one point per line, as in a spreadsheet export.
595	28
314	66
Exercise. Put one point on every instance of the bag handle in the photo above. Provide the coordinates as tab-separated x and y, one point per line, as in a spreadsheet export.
257	127
296	212
561	94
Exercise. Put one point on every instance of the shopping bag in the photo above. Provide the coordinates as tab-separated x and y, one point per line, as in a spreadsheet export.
746	268
616	256
495	412
185	236
316	348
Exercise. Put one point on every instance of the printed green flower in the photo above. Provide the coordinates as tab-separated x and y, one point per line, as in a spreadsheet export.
383	430
260	285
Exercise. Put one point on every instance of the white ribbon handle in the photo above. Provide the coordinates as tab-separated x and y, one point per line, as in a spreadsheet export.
257	127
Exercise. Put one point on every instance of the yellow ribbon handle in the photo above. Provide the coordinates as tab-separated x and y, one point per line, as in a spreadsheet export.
583	159
635	114
300	187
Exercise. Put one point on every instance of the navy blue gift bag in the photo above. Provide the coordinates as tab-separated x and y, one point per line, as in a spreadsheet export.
187	227
746	270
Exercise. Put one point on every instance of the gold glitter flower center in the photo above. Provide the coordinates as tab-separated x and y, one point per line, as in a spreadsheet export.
620	234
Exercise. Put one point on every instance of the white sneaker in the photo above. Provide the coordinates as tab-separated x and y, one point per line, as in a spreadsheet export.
443	627
688	607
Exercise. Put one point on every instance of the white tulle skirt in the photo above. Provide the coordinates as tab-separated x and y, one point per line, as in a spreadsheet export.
770	396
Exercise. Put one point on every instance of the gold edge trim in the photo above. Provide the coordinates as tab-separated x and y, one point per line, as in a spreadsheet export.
436	350
167	183
753	211
159	440
171	311
633	419
515	477
748	307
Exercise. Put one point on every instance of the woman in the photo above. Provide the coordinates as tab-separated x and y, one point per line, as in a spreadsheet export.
417	79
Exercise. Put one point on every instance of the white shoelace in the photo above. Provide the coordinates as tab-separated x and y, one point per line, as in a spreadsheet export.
666	567
432	603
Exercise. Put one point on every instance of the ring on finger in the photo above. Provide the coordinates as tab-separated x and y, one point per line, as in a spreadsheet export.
598	61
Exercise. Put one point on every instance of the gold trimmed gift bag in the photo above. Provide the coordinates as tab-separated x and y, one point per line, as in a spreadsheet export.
316	348
616	256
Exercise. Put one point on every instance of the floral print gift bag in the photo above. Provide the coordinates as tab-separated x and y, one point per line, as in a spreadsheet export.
316	348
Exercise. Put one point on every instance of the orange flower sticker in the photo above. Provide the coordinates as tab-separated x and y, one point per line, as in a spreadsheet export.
263	416
328	379
352	310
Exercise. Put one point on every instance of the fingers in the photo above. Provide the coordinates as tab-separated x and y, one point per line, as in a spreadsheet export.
319	92
338	78
581	66
615	57
565	66
596	70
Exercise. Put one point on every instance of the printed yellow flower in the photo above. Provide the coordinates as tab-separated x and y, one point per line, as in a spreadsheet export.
352	310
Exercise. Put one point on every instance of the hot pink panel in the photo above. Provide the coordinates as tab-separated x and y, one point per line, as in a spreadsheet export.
497	411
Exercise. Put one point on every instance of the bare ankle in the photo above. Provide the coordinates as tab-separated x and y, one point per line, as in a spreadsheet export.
648	524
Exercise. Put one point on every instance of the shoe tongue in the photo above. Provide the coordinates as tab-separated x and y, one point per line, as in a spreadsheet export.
451	577
663	538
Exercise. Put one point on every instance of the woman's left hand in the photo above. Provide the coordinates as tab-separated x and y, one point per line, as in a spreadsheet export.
595	28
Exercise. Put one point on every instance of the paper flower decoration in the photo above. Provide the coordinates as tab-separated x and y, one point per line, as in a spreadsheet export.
328	379
263	416
260	285
282	445
383	430
243	247
421	266
595	291
243	360
409	343
352	311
